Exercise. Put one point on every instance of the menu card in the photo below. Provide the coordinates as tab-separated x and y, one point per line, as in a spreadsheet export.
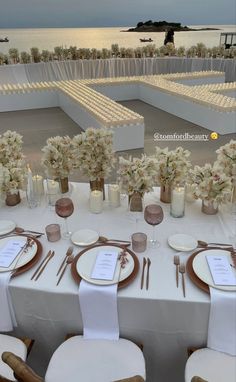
105	265
221	270
10	251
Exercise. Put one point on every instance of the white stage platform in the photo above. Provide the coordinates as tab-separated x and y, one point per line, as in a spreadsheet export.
199	97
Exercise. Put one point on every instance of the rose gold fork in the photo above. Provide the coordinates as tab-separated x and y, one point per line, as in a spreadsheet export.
182	271
176	263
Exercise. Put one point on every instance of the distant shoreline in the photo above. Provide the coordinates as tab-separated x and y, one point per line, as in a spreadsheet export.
163	26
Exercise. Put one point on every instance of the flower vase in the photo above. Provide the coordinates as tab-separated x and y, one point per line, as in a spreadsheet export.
136	201
165	195
63	184
209	207
98	184
12	199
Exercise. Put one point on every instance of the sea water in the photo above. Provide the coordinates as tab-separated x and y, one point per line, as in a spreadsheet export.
48	38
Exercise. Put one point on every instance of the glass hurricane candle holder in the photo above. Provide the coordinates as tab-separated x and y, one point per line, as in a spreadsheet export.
177	201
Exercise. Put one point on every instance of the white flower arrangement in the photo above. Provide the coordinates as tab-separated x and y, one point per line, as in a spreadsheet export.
172	166
226	157
58	156
210	183
136	174
12	164
94	154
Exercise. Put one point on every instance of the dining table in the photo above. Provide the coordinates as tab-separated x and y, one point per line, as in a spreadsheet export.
160	318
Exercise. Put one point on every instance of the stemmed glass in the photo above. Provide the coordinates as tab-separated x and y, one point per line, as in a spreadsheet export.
153	215
64	208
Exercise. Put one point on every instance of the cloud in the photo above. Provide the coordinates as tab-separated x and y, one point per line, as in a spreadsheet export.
80	13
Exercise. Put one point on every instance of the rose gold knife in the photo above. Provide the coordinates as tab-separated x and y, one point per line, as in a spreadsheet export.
44	266
148	267
142	277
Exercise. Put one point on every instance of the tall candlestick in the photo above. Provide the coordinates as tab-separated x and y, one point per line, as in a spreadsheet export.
177	202
96	201
30	192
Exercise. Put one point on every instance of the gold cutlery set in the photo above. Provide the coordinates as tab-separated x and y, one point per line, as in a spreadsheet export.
146	263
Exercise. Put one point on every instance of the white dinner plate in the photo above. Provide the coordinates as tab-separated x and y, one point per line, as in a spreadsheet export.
182	242
25	257
84	237
87	260
201	268
6	226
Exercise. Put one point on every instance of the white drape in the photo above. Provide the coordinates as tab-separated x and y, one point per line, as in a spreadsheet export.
114	67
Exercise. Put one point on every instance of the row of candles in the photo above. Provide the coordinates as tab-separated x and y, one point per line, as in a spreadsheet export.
35	190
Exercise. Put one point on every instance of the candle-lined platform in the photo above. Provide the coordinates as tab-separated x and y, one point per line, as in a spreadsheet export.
199	97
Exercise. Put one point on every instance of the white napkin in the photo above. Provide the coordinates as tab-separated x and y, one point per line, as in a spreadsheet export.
7	315
98	304
222	321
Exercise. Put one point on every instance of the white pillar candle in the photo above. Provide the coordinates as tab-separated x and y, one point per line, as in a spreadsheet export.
177	202
114	195
53	191
96	201
38	184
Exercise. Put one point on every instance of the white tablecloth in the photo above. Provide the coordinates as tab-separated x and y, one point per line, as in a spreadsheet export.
160	318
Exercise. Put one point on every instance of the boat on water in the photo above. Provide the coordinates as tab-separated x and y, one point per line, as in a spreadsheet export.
146	39
6	39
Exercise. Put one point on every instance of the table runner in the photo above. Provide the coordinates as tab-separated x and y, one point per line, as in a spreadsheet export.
222	321
98	304
7	315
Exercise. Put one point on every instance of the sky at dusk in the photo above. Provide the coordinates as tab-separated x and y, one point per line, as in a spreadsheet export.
105	13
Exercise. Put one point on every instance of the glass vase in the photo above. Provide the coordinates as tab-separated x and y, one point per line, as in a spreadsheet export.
63	184
98	184
12	199
209	207
165	195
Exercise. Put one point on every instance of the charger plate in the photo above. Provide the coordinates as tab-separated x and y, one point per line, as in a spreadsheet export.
25	264
128	276
193	276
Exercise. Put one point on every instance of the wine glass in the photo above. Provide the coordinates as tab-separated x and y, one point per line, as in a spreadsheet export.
64	208
153	215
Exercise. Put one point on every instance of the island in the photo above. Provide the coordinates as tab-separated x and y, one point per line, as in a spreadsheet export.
162	26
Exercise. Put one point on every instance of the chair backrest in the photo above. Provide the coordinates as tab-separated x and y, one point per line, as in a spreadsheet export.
26	374
197	379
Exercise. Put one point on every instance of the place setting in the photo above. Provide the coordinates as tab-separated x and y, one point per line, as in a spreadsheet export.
18	253
126	265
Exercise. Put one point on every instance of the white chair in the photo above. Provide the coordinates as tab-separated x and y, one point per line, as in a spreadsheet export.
81	360
210	365
14	345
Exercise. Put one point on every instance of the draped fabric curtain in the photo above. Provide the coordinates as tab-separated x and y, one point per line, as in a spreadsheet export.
114	67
